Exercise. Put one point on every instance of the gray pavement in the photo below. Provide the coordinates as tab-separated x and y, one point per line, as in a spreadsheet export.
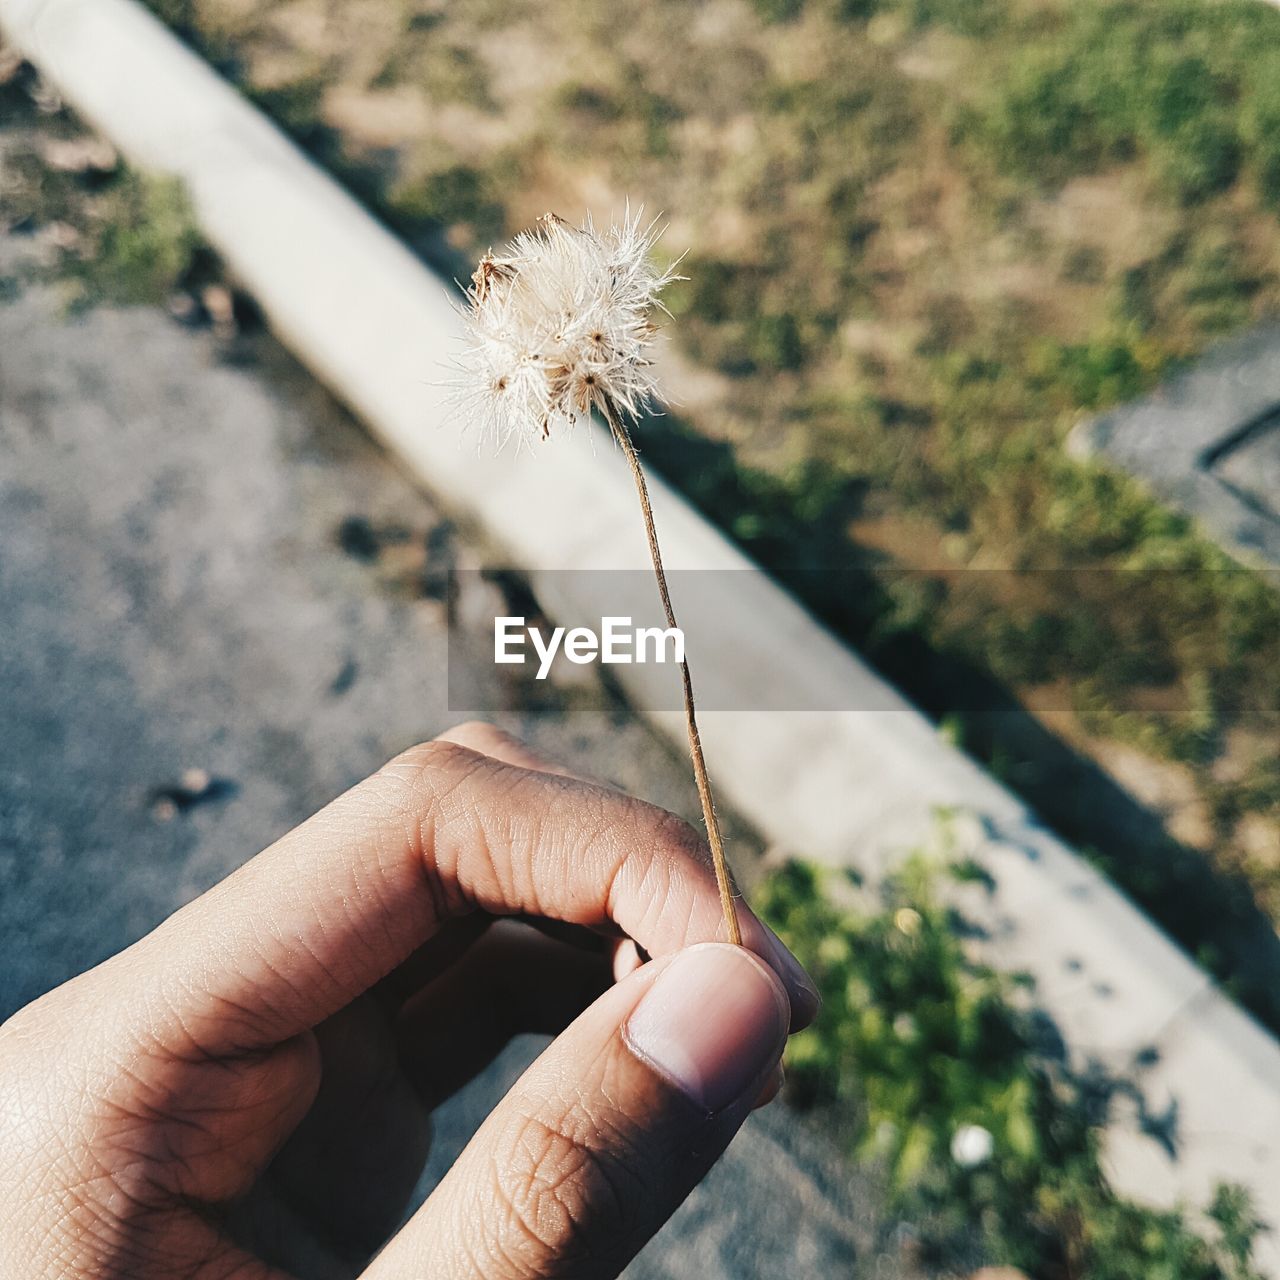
218	608
1208	440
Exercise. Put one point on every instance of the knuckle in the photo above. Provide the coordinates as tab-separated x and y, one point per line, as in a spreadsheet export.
427	763
423	793
473	730
88	1161
657	872
680	836
415	783
666	832
677	846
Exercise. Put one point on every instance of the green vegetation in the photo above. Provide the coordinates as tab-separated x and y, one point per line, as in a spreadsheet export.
457	194
1187	86
924	236
145	243
116	236
918	1041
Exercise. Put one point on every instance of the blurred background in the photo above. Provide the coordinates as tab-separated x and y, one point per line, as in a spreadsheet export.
924	240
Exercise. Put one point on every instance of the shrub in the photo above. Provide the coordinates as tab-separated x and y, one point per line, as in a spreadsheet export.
1201	159
1261	126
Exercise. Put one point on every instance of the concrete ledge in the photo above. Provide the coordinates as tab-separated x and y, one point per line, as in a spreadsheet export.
373	324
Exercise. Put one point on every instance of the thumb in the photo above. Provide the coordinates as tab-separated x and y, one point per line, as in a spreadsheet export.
609	1130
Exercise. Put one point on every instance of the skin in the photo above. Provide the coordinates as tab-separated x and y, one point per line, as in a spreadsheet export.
245	1094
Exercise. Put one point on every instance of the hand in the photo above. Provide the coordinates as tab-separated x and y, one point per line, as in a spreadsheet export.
245	1093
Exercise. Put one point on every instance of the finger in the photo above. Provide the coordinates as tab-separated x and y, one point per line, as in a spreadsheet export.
608	1131
772	1087
479	735
366	1129
515	981
440	832
440	953
626	960
497	743
489	740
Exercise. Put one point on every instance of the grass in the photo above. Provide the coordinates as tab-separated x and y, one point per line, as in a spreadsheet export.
145	243
918	1040
111	235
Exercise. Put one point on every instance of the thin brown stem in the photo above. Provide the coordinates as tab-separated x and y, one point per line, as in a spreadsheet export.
723	878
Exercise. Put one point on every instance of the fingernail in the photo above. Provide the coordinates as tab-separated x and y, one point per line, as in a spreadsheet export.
713	1023
805	1000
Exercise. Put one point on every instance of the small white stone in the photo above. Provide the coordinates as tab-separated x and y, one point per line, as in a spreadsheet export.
197	781
907	920
971	1145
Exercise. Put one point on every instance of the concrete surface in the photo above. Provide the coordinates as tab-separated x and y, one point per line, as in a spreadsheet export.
176	596
372	323
188	581
1208	440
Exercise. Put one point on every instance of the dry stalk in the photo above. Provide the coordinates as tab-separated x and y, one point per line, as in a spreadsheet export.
723	879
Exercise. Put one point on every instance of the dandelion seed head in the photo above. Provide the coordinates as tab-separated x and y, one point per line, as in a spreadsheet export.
561	322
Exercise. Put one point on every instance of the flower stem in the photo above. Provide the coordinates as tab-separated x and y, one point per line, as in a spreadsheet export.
723	879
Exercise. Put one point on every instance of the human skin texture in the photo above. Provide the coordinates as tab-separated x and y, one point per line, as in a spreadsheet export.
245	1093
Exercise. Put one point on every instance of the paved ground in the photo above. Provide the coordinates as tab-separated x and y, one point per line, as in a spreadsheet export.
1208	440
209	568
1253	464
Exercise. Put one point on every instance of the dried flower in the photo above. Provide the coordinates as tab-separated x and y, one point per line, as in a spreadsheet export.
560	324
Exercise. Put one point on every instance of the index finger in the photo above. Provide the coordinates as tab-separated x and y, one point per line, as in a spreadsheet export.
322	915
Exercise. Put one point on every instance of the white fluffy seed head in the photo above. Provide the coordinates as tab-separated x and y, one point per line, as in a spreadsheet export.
559	324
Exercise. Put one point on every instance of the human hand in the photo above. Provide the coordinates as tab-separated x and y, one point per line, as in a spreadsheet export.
245	1093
